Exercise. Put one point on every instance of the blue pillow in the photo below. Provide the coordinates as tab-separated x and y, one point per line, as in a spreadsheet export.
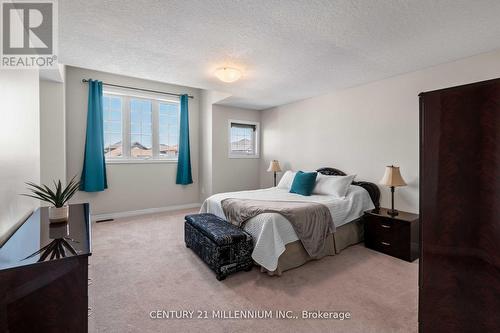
304	183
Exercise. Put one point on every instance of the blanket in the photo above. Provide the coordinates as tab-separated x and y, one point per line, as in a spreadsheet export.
311	221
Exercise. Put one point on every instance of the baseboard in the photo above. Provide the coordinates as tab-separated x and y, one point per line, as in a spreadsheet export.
143	211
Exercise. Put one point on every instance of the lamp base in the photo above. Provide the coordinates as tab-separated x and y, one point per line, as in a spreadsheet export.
392	212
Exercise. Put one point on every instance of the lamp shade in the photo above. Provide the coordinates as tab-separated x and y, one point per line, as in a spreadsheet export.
392	177
274	166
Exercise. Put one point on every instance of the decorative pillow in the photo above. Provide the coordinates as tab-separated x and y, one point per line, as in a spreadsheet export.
303	183
286	180
333	185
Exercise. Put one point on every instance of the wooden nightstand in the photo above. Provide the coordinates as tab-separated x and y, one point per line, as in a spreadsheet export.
397	236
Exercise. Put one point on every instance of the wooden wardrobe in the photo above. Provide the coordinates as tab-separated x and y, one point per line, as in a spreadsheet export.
459	282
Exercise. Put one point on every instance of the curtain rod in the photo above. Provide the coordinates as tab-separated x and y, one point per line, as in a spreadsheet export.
141	89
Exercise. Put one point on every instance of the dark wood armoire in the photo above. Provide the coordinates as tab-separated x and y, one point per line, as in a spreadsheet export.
459	282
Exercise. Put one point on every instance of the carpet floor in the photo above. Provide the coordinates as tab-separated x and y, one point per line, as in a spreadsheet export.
141	264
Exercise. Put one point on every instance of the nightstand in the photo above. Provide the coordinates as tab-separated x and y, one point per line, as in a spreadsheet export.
397	236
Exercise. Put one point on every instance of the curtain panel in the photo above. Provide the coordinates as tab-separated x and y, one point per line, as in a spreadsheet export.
94	164
184	176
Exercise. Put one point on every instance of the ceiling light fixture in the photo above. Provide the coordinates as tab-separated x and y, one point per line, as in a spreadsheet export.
228	74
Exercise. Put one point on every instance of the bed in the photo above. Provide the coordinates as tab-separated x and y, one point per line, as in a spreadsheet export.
277	246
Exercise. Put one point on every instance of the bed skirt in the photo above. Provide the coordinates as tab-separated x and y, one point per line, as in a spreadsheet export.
295	255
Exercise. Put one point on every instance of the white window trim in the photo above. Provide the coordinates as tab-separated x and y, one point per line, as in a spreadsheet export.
257	139
156	99
138	94
113	159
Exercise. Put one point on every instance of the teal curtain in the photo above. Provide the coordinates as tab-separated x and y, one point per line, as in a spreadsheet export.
184	159
94	165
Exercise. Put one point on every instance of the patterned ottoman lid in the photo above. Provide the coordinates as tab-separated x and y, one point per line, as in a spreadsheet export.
218	230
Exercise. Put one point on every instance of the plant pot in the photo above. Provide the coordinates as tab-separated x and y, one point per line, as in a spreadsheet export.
58	214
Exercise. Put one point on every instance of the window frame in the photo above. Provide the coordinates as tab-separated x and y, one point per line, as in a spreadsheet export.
155	99
120	158
256	153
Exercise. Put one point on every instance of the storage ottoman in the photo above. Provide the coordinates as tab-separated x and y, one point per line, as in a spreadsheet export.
224	247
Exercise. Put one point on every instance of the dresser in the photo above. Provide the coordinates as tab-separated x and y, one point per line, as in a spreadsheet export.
397	236
49	295
459	283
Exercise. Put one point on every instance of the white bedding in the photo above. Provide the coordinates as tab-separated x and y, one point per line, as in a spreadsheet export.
271	231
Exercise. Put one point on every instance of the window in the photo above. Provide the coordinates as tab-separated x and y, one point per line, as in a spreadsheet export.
140	128
243	139
112	126
169	130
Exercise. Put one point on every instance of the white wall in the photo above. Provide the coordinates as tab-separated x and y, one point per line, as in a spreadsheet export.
362	129
207	100
19	146
131	186
52	132
232	174
205	145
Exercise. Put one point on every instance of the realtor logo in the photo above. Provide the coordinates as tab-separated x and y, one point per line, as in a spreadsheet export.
28	34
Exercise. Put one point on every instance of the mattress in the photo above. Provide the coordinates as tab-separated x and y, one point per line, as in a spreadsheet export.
271	231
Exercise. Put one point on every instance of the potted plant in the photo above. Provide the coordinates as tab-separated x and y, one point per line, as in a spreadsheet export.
58	197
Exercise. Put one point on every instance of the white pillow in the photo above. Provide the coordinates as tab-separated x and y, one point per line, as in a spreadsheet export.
333	185
287	180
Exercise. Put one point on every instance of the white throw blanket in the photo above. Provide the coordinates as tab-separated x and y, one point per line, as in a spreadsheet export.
271	231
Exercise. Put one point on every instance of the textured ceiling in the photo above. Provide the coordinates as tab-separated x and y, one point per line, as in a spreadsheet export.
289	50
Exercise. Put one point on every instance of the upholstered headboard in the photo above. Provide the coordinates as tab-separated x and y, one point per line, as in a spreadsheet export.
372	188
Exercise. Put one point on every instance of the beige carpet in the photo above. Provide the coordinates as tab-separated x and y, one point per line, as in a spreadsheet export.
140	264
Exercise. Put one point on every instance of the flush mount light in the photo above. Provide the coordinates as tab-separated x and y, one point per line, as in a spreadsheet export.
228	74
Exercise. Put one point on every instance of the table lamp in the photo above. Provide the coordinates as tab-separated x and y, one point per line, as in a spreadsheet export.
392	178
274	166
